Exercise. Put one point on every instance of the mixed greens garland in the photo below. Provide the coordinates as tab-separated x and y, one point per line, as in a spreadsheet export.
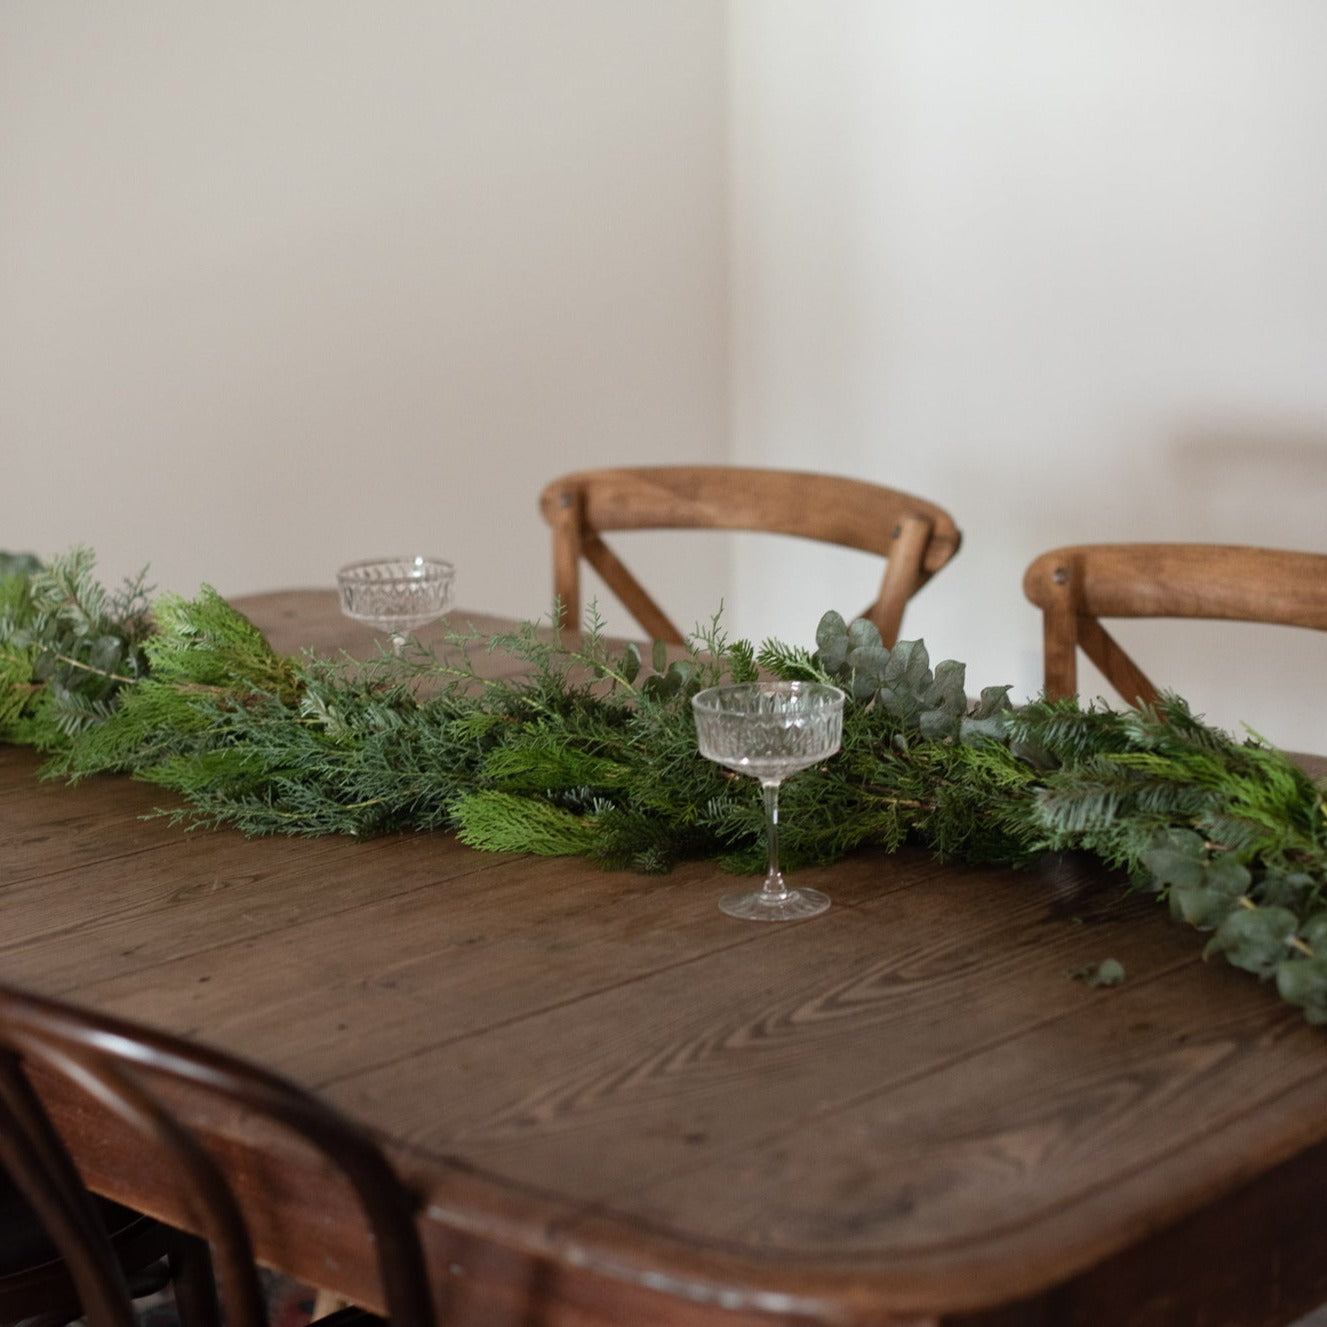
591	751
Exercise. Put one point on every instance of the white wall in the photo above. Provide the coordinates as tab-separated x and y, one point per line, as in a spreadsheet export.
286	284
1059	267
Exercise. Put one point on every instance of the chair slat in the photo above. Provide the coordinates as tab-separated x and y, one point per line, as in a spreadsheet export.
36	1160
122	1068
633	594
1078	585
916	537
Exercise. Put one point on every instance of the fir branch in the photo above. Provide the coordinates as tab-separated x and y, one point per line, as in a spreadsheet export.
589	748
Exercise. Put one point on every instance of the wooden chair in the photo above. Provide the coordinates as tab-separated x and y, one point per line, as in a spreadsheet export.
916	536
161	1088
37	1288
1075	587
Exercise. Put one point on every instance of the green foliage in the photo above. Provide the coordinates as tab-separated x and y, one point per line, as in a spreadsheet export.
501	822
1255	939
1303	982
18	687
1109	972
18	567
80	645
587	747
901	683
203	642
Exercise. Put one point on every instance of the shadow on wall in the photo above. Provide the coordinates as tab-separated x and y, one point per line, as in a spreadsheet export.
1252	485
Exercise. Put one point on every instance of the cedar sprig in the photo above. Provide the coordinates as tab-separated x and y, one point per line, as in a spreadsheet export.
78	642
587	747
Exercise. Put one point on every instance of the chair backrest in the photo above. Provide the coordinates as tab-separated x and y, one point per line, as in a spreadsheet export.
916	536
1077	586
136	1074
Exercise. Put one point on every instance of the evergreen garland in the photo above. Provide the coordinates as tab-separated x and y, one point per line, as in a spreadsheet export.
592	751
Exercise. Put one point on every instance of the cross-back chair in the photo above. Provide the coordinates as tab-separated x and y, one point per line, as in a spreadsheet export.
917	537
37	1288
163	1089
1076	587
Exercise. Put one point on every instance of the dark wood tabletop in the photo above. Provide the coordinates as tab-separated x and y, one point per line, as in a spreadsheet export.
626	1107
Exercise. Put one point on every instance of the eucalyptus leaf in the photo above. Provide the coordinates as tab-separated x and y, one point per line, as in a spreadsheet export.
630	664
860	686
1303	982
1228	875
832	641
863	634
872	660
1287	888
1109	972
900	701
683	670
869	664
946	689
188	695
909	665
1176	857
938	725
1314	934
1254	939
974	731
1201	907
993	701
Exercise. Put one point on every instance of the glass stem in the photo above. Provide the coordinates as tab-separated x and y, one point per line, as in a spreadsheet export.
774	888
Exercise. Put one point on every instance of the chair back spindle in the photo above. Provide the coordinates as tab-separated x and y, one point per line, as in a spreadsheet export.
123	1069
915	536
1075	587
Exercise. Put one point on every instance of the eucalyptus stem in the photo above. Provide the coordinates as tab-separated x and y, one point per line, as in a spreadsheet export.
585	749
97	672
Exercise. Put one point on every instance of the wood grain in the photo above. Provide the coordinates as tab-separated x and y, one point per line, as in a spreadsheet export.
310	619
622	1105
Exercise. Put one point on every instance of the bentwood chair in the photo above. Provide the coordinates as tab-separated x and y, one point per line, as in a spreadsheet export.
164	1094
1076	587
916	536
37	1287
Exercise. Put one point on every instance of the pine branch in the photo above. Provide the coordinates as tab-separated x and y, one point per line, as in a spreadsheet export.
590	749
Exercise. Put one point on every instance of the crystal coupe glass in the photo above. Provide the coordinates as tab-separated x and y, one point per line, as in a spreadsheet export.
396	595
770	730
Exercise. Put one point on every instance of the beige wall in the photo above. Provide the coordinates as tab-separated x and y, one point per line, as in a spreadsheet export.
290	283
282	284
1059	267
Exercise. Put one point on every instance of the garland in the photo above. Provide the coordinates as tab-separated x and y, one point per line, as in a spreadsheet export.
592	752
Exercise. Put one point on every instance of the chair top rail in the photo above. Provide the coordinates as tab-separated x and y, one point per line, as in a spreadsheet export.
828	508
1217	581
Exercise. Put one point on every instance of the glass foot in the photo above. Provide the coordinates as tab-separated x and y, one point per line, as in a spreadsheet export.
755	905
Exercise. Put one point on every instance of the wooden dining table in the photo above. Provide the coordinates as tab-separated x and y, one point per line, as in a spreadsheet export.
621	1106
